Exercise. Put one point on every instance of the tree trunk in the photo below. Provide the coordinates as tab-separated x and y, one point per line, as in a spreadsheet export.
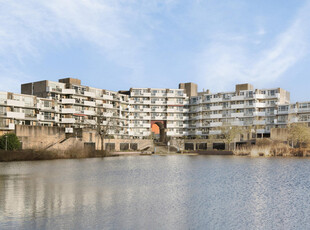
102	142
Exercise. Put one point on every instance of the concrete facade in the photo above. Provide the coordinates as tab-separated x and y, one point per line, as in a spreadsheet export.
130	114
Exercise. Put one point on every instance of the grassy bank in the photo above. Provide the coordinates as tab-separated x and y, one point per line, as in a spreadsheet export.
30	155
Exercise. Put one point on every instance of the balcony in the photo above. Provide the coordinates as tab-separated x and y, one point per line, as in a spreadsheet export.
171	95
157	110
237	115
89	112
146	102
259	122
170	118
171	102
146	125
68	91
259	105
259	114
218	107
68	110
171	110
140	94
282	112
89	94
67	101
146	110
303	110
215	116
89	103
215	124
158	94
107	97
15	103
107	106
158	118
16	115
237	98
259	96
68	120
238	106
216	99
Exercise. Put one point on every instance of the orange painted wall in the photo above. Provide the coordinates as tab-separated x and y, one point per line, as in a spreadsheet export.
155	129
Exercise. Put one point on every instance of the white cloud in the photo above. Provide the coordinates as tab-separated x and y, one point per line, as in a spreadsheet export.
224	63
119	29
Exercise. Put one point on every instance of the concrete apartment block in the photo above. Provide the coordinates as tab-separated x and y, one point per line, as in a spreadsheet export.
141	112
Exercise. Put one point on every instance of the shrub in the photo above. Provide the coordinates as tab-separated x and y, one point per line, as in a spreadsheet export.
13	142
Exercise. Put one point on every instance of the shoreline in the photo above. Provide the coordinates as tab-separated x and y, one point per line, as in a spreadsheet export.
32	155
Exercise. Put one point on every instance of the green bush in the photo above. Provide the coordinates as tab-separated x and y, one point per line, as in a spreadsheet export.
12	141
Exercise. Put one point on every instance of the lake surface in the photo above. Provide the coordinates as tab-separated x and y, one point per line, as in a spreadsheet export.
156	192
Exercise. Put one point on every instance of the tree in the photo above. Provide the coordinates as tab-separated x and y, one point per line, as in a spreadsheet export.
104	126
179	143
229	133
298	133
11	141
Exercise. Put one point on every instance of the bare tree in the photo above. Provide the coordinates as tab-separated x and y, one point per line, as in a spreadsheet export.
104	127
179	143
230	133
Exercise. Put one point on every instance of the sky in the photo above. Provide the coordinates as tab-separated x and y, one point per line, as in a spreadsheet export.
118	44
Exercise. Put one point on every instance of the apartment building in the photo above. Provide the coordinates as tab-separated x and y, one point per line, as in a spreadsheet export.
20	109
141	112
253	109
82	106
162	108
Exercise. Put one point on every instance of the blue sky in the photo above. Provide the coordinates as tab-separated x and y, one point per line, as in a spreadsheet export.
118	44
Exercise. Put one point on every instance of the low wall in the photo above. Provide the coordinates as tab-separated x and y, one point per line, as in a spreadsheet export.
38	137
54	138
124	144
199	144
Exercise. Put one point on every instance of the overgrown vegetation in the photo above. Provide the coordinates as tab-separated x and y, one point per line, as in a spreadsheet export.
9	142
299	135
264	147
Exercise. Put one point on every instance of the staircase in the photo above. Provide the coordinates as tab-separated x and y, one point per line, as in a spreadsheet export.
161	147
59	141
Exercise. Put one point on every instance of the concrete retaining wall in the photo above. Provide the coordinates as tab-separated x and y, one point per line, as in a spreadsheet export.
38	137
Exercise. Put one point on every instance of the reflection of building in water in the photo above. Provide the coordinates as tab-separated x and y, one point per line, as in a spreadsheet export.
79	194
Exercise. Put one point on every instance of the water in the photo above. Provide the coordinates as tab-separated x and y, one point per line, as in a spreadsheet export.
156	192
